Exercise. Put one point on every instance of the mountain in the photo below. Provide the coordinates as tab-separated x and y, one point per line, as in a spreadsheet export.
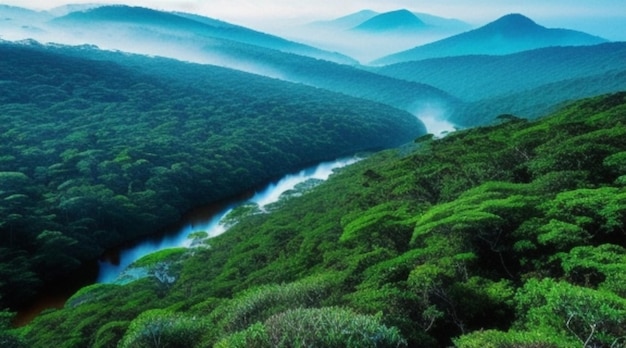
527	84
509	34
383	33
400	20
209	41
349	80
477	77
447	24
12	13
538	101
17	23
67	9
349	21
140	23
356	19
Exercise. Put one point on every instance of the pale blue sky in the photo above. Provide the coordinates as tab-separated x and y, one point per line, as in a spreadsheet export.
600	17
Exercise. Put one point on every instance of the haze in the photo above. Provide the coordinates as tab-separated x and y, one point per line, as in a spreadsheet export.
605	18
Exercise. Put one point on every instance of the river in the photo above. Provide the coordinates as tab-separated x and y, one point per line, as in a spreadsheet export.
202	219
211	224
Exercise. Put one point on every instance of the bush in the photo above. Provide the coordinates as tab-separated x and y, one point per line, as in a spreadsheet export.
317	327
498	339
257	304
110	334
162	329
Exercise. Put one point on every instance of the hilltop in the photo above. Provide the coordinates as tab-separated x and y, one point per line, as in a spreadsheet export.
400	20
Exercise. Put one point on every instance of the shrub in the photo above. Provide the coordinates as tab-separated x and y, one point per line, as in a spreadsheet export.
317	327
162	329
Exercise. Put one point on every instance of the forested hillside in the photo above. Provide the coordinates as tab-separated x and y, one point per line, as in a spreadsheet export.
529	84
504	236
538	101
476	77
97	152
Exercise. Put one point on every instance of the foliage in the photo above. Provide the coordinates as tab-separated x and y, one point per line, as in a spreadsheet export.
8	338
161	329
477	77
574	315
258	304
510	235
166	255
511	339
324	327
100	148
528	84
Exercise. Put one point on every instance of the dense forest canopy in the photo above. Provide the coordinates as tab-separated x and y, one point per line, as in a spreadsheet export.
97	151
510	235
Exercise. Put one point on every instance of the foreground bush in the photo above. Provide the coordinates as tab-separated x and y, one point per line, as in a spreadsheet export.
162	329
320	327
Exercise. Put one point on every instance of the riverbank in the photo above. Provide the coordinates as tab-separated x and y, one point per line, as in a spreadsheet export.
207	219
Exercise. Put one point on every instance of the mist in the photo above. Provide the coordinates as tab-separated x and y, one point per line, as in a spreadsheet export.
364	47
434	117
143	40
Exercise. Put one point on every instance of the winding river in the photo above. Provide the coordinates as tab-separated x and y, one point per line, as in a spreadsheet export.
205	219
110	270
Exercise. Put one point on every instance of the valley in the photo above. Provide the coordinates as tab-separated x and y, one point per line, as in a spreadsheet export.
474	195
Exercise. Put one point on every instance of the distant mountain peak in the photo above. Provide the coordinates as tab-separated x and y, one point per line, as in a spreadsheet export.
512	22
508	34
515	18
395	20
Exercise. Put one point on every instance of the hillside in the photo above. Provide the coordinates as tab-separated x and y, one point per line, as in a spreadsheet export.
478	77
96	152
508	34
17	23
138	26
535	102
527	84
208	41
348	21
509	235
327	75
339	78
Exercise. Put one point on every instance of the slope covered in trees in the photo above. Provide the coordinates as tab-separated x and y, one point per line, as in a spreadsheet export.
208	41
510	235
97	152
538	101
529	84
476	77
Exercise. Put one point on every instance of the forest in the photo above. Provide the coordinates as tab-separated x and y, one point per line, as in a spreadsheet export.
530	83
506	235
99	148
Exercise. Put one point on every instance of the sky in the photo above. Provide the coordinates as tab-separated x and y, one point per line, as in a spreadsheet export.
606	18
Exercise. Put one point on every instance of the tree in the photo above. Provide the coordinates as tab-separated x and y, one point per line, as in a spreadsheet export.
574	315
